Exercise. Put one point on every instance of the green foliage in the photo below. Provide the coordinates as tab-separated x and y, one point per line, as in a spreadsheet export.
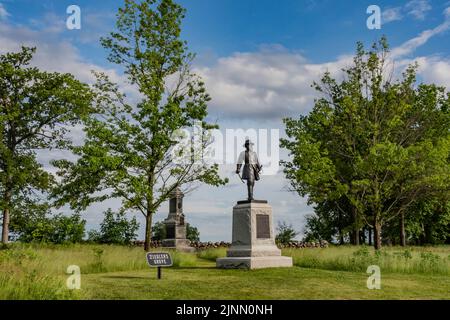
36	110
327	223
36	224
285	233
192	233
429	222
129	147
115	229
158	231
371	148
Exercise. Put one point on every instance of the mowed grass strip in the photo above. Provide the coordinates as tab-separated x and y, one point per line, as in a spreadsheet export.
282	283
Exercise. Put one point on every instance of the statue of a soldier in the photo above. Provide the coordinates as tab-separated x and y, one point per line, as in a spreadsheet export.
252	168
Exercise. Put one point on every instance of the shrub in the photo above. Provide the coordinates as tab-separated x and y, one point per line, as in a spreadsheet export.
285	233
115	229
41	227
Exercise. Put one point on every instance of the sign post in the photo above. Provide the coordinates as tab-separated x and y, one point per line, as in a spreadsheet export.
158	260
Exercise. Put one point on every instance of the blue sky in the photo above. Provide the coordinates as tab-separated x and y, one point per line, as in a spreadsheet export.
321	29
258	58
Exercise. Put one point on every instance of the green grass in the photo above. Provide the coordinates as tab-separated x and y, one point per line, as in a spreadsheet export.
412	260
116	272
212	254
291	283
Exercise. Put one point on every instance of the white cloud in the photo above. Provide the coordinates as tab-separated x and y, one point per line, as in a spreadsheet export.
56	54
95	25
392	14
3	13
409	46
447	12
272	82
434	70
418	8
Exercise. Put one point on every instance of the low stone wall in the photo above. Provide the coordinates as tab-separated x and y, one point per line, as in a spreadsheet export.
210	245
301	244
222	244
153	244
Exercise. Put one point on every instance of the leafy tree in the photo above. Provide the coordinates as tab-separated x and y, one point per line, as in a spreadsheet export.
285	233
159	232
192	233
115	229
68	229
371	147
429	222
34	223
327	223
129	148
36	110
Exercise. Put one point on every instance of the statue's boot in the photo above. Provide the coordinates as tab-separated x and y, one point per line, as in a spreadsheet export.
250	192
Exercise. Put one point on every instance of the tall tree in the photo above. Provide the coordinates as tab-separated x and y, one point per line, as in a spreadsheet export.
376	143
129	148
36	110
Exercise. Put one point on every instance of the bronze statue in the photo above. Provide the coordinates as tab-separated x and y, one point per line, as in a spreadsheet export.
252	168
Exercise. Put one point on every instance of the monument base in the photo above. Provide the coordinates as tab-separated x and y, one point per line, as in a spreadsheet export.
182	245
254	262
253	245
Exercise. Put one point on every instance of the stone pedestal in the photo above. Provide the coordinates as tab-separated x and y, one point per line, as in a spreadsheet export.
253	243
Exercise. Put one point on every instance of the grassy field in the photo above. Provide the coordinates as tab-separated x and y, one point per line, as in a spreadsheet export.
114	272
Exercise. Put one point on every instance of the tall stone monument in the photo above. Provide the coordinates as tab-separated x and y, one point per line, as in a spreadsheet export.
253	245
175	225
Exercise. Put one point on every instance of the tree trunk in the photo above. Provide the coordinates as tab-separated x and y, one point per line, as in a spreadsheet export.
148	231
402	230
5	228
341	234
6	217
377	234
356	237
370	236
356	230
341	238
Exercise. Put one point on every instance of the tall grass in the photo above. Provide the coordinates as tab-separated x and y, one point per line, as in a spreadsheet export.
37	271
182	259
212	254
22	276
422	260
54	259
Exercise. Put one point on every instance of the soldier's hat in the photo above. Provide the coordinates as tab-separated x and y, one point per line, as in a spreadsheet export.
248	142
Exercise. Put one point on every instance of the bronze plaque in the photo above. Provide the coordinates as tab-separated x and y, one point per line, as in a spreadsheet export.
262	226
